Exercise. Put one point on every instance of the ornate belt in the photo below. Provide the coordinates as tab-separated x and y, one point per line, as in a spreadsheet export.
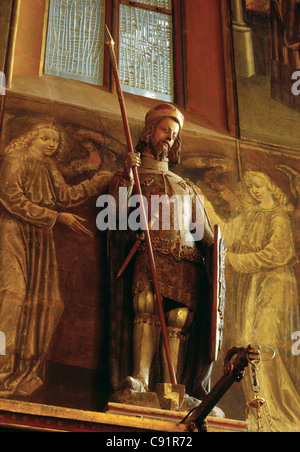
176	249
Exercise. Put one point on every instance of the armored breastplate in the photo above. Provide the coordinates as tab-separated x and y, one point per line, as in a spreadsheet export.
171	207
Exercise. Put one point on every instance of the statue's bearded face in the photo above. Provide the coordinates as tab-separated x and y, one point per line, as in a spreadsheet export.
163	138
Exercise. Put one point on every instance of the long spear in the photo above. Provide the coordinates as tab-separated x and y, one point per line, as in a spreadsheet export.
111	44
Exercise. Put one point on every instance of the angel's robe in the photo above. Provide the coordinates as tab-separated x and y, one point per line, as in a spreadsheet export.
30	298
265	305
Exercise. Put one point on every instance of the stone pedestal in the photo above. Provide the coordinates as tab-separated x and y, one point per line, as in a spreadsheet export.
173	418
167	397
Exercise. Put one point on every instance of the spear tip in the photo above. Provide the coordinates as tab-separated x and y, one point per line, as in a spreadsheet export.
108	36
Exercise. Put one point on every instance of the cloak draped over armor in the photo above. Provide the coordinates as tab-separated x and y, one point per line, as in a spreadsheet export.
181	268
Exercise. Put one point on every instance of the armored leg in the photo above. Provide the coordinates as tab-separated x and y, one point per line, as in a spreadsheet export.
178	322
146	335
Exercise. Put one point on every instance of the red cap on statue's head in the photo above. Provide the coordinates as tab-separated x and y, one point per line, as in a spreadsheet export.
163	110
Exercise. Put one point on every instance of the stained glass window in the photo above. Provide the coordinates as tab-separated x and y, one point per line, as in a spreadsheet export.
146	48
75	40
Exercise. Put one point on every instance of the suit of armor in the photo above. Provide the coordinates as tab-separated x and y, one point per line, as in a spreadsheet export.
181	268
180	263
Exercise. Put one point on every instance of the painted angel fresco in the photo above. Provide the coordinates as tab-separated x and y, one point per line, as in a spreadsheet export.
86	151
261	257
32	189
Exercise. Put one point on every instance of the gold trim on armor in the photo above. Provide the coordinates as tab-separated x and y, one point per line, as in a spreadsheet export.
177	333
152	164
176	249
150	319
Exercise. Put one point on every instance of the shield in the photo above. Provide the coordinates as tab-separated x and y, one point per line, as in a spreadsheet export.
217	294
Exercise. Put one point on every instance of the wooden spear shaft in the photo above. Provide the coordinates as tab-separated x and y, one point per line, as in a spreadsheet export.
110	43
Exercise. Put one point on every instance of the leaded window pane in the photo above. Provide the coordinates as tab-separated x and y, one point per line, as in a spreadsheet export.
75	40
146	50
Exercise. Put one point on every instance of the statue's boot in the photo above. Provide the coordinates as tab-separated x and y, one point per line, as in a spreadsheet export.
134	383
